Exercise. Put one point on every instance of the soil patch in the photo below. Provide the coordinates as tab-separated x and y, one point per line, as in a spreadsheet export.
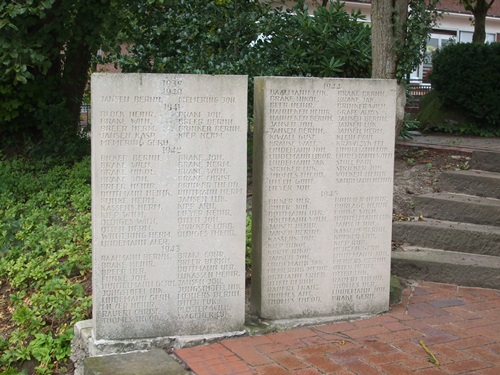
418	170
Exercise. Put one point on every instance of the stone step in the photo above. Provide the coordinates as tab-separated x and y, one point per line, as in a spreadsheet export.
448	235
450	267
151	362
486	161
472	182
459	208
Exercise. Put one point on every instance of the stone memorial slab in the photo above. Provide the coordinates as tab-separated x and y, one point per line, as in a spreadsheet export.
168	204
322	200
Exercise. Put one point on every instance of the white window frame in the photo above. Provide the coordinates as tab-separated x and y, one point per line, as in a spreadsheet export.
466	37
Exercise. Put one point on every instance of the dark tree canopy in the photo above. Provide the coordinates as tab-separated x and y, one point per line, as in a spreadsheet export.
46	49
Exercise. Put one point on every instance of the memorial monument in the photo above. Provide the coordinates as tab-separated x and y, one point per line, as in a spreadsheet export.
322	200
168	204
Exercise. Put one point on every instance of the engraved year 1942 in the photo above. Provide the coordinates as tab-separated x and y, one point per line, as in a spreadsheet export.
332	85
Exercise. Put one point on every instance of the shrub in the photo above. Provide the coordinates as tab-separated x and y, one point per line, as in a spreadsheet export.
466	78
245	37
332	43
45	260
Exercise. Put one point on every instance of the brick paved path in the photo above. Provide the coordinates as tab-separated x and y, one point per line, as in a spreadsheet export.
460	326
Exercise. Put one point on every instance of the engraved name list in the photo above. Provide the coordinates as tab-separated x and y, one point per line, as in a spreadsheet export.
168	204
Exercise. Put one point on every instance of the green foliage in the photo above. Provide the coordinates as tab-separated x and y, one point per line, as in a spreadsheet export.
45	53
409	125
430	114
332	43
45	254
19	56
466	129
196	36
246	37
248	243
466	78
422	16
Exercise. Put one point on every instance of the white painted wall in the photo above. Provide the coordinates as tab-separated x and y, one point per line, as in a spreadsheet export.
450	21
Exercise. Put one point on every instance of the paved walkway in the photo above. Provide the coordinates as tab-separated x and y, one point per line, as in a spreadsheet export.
454	142
460	326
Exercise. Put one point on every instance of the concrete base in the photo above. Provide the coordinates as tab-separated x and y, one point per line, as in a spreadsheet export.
84	345
84	348
266	325
152	362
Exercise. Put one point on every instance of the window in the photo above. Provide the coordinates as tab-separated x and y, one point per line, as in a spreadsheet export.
435	41
466	37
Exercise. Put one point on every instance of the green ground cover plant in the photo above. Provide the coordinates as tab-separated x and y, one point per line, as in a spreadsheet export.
45	262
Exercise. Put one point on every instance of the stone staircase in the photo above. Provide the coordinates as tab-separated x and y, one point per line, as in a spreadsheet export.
458	242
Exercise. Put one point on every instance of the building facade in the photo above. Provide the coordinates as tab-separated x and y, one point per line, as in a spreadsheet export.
455	24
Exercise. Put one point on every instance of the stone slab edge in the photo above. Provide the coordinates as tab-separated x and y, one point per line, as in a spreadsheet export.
463	149
473	182
84	336
282	324
447	267
84	345
459	208
152	362
447	235
486	160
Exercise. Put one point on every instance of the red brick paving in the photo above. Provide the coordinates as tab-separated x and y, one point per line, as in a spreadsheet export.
461	326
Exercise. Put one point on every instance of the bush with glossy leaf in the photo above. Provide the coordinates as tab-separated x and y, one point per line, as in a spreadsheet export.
247	37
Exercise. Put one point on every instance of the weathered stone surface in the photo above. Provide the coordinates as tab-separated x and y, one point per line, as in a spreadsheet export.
152	362
168	204
447	267
486	161
322	200
459	208
473	182
449	235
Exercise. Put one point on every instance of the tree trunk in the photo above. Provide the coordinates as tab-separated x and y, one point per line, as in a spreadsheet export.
76	69
479	8
388	32
479	35
78	56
